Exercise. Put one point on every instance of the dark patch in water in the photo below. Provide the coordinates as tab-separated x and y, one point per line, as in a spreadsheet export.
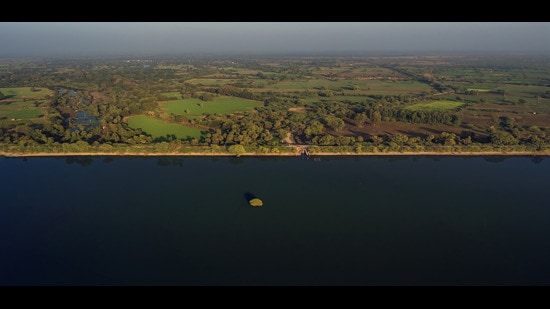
248	196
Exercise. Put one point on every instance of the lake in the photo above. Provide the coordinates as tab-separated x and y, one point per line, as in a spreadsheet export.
395	220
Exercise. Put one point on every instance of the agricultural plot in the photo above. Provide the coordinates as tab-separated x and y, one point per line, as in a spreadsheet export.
219	105
357	71
508	91
240	71
514	110
19	111
158	128
308	84
211	81
172	95
340	98
174	66
352	87
237	82
391	87
489	75
509	98
435	106
21	103
26	93
514	90
479	89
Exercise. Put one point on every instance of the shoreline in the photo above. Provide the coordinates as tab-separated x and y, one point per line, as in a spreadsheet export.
320	154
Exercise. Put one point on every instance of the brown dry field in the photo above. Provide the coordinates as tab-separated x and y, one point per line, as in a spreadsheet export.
395	127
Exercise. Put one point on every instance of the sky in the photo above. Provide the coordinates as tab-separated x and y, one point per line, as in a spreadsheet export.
135	38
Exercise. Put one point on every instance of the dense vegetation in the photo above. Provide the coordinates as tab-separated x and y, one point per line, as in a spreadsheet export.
266	104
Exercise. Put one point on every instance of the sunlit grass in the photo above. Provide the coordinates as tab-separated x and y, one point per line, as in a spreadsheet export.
158	128
435	106
220	105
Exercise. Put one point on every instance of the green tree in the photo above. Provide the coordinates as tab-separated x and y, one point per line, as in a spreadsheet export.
327	140
376	118
508	123
430	138
536	141
236	149
360	119
448	139
344	140
399	139
503	138
335	123
314	128
377	140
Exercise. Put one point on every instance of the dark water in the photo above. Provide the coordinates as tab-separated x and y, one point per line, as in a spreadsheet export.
340	221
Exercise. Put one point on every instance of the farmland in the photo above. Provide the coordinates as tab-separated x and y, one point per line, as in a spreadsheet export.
435	106
354	103
220	105
22	103
160	129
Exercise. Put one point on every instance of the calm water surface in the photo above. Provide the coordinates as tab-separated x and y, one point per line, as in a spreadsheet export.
339	221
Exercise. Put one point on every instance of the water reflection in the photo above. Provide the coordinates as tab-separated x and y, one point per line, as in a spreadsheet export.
108	159
170	161
494	159
537	159
237	160
82	161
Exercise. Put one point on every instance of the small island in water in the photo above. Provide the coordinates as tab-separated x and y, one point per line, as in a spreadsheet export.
276	106
256	202
253	200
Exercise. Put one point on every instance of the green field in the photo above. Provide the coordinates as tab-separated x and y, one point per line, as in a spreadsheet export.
20	113
158	128
18	104
311	84
364	87
435	106
19	110
173	94
339	98
210	81
220	105
478	89
26	92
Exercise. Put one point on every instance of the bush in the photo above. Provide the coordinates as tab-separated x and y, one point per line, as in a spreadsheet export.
236	149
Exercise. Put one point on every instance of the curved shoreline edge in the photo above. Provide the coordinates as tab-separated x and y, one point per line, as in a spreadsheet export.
317	154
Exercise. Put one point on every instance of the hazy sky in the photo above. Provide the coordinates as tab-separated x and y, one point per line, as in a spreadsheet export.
89	38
